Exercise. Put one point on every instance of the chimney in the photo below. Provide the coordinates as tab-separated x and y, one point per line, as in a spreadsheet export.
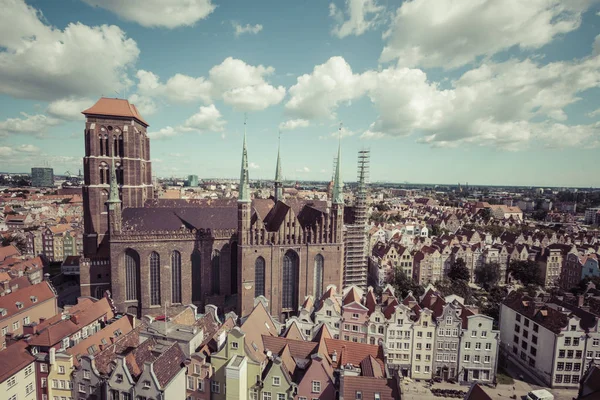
30	329
334	356
52	356
75	319
42	319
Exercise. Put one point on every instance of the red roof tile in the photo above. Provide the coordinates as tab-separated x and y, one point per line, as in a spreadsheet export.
115	107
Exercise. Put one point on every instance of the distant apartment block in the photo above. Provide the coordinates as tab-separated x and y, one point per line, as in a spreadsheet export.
42	177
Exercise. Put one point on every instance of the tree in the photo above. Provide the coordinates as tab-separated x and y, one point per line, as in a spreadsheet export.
491	304
487	275
402	284
17	241
527	272
459	271
458	287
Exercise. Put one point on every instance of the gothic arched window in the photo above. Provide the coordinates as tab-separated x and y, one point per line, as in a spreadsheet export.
121	149
176	277
318	276
154	279
132	274
259	277
104	173
115	146
216	272
289	287
196	260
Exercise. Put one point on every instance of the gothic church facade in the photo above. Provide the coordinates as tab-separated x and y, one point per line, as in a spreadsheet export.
151	253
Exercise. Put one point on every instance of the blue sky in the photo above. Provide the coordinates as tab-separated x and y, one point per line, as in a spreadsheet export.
489	92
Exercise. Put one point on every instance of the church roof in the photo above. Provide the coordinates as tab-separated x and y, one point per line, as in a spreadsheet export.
172	219
115	108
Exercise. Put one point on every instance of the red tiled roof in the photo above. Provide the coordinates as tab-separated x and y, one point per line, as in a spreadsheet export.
354	353
115	107
8	251
368	386
13	359
42	291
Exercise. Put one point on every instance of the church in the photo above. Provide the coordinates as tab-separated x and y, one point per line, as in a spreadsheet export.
154	253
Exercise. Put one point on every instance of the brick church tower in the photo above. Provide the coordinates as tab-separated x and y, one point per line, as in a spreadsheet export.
115	132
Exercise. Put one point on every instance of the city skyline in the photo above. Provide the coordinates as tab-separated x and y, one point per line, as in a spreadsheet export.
518	108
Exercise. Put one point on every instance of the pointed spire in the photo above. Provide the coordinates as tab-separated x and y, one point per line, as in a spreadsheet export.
278	182
338	186
244	190
113	196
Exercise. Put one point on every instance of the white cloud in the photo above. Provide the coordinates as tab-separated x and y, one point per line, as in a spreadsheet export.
344	132
596	46
179	88
493	104
41	62
163	133
207	118
28	148
316	95
303	169
253	166
158	13
238	84
448	34
594	113
241	29
362	15
69	108
27	125
144	104
294	124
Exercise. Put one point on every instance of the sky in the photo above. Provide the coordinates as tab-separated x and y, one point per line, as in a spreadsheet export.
499	92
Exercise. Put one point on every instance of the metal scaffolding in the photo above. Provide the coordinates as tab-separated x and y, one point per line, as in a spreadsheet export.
355	257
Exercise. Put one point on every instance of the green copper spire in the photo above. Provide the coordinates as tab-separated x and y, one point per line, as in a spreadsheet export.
338	186
244	190
113	197
278	183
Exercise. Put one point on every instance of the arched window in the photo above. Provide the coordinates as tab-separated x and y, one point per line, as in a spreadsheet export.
101	145
259	277
132	274
372	340
154	279
176	277
119	172
115	146
196	259
318	276
104	173
98	292
121	150
216	272
380	330
289	291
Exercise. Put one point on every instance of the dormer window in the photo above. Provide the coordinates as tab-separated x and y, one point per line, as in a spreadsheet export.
234	345
119	379
355	316
3	312
33	299
146	384
19	305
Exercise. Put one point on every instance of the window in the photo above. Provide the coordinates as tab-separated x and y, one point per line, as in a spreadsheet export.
573	327
215	387
477	346
517	328
146	384
259	277
44	382
561	354
596	342
266	395
4	330
358	396
558	378
81	388
486	359
316	387
132	271
488	346
467	358
318	290
448	320
29	370
15	325
354	316
575	341
190	383
280	396
276	381
176	277
44	367
119	379
12	381
200	384
483	333
526	322
61	369
535	327
289	291
234	345
154	279
26	321
476	358
473	333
